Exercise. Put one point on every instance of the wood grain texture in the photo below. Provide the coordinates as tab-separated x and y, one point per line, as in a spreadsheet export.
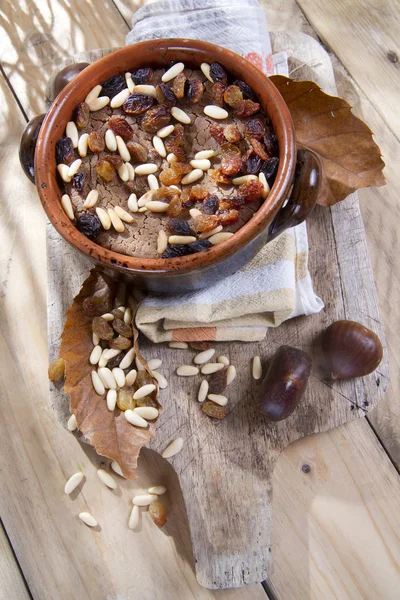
12	584
232	545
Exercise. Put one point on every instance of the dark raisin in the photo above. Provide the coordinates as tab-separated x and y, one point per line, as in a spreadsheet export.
245	89
102	328
156	118
120	127
114	362
165	95
200	346
246	108
96	305
178	227
120	343
217	73
237	201
195	91
78	181
142	75
176	250
271	144
199	246
114	159
122	328
82	115
217	132
136	104
217	382
253	164
270	167
255	129
64	150
137	152
113	86
210	205
89	225
118	314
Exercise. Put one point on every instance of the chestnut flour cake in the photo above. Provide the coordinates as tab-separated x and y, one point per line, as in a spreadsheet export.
166	162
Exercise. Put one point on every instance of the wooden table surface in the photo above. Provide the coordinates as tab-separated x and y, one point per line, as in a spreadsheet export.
336	495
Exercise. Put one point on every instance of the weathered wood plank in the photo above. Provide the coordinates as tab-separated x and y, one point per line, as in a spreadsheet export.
12	584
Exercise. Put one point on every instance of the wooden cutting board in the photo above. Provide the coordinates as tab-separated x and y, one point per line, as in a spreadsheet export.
225	468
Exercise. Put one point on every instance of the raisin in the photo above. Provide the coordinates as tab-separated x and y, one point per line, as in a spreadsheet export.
82	115
230	150
251	190
219	177
169	177
156	118
174	142
224	204
232	133
64	150
118	314
157	513
181	168
142	75
205	223
176	250
228	217
165	95
195	91
178	226
114	362
245	89
56	369
78	181
231	165
113	86
95	306
198	193
217	132
236	201
186	200
217	73
214	410
255	129
247	108
165	194
125	399
233	96
199	246
120	343
179	85
200	346
105	170
270	167
96	142
146	401
175	207
253	164
271	144
122	328
120	127
114	159
142	378
89	225
259	149
102	328
137	151
217	382
136	104
210	205
217	92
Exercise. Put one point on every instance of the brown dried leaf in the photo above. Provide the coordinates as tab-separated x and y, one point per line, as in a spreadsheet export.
109	432
326	125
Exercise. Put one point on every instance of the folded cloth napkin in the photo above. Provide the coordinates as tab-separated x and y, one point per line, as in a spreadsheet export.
276	284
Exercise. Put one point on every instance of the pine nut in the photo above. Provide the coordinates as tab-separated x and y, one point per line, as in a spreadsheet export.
132	203
135	419
215	112
128	316
139	365
162	382
131	171
146	412
63	171
194	212
154	363
129	82
204	356
224	360
159	490
71	131
74	167
143	200
203	391
119	99
181	239
243	179
207	234
131	377
205	67
156	206
172	158
148	90
143	499
122	149
107	479
180	115
95	339
111	400
83	145
165	131
218	399
230	374
115	220
107	378
91	199
192	176
107	317
174	447
88	519
257	369
153	182
211	368
128	359
116	468
123	172
143	391
67	206
159	146
134	517
95	355
178	345
123	215
203	164
173	72
146	169
187	371
104	218
93	94
220	237
262	179
99	103
98	384
204	154
72	424
73	482
119	376
162	242
103	360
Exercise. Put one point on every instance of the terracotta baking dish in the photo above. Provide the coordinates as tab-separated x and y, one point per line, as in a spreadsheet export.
205	268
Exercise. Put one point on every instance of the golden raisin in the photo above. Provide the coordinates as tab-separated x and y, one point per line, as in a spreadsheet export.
156	118
96	142
246	108
205	223
228	217
230	150
164	194
105	170
217	132
214	410
251	190
158	513
181	168
125	399
169	177
198	193
102	328
217	92
233	96
122	328
175	207
56	369
179	85
120	127
137	152
120	343
259	149
218	176
231	165
82	115
232	133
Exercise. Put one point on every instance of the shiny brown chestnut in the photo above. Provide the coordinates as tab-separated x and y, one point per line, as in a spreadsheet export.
27	146
285	382
66	75
350	349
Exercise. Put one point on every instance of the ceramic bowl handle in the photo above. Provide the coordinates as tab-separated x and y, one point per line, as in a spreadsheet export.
307	183
27	146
